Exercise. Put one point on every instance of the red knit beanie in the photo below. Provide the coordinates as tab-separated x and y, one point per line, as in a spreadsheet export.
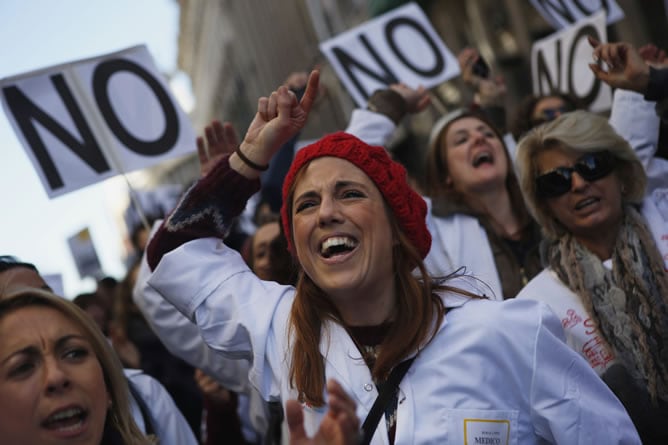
389	176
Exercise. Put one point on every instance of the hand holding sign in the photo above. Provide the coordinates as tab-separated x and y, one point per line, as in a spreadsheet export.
417	99
625	67
560	62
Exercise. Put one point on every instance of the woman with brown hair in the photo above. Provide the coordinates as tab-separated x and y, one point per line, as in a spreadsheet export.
60	381
536	110
477	215
478	218
364	310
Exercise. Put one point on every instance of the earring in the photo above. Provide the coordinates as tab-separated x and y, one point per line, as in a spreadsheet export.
623	189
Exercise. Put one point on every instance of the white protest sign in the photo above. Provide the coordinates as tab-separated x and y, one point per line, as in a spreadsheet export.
399	46
560	62
55	282
84	253
563	13
91	119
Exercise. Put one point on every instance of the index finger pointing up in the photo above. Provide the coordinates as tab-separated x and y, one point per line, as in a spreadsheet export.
311	91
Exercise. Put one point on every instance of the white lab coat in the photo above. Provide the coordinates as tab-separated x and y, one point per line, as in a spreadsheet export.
458	240
581	331
635	119
181	338
168	423
496	370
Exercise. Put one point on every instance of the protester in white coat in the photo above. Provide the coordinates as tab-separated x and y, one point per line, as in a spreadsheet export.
606	253
155	412
477	215
481	369
151	406
476	212
260	422
608	246
60	380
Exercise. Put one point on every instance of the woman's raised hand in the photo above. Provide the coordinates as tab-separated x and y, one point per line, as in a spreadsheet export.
489	90
340	426
219	139
623	67
279	117
417	99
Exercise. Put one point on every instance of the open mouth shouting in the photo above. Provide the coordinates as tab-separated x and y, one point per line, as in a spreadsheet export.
67	422
337	245
484	157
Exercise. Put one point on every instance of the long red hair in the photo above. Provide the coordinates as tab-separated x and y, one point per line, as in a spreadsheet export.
418	313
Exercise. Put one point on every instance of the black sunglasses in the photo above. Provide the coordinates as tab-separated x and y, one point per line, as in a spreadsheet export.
591	167
549	114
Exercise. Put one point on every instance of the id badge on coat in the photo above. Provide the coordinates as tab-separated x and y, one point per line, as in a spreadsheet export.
482	427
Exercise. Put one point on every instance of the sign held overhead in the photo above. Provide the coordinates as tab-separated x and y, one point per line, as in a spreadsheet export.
399	46
560	62
563	13
84	254
91	119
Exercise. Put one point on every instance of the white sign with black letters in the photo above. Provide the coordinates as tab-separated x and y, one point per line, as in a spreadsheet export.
563	13
560	62
84	254
91	119
399	46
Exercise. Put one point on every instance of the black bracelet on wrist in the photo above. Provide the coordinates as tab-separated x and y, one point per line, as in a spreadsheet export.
248	162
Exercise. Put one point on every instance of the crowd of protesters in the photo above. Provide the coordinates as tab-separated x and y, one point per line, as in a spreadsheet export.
519	296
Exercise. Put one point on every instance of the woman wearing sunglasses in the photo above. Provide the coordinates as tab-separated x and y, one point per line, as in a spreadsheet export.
607	256
536	110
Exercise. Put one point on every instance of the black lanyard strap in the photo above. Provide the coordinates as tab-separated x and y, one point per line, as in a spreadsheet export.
384	397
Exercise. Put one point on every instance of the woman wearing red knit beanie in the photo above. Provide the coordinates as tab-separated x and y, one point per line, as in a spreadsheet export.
366	333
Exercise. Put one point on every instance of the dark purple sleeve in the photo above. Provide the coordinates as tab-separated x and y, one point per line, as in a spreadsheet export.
207	209
657	88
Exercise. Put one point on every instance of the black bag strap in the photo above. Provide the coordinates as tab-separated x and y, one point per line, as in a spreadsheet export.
384	397
273	434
